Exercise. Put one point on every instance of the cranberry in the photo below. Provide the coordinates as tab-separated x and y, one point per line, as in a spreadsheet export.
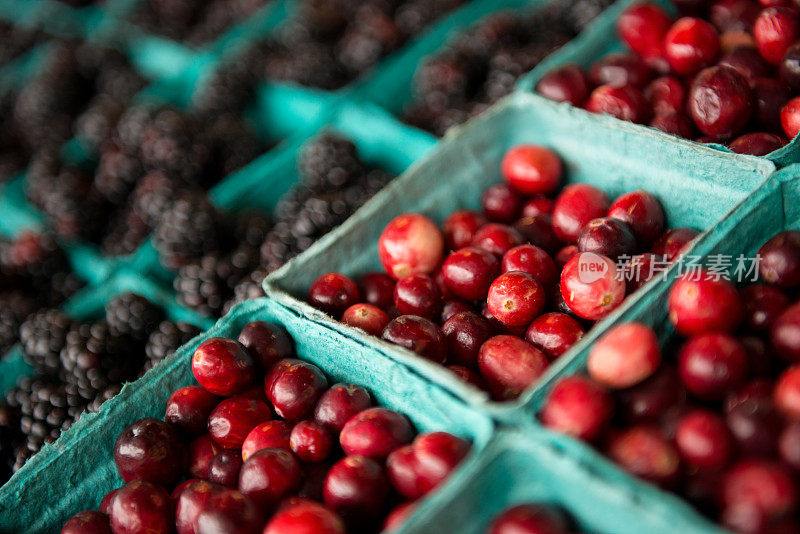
464	333
790	68
642	26
269	475
591	286
452	307
229	511
497	238
420	468
674	124
690	45
88	522
787	392
531	169
294	388
417	294
625	102
762	485
305	517
673	243
398	516
532	260
467	375
188	409
419	335
711	365
720	101
266	343
643	451
194	498
624	356
410	244
789	444
377	289
539	231
701	303
510	365
666	95
756	144
607	236
222	366
367	317
755	425
566	83
775	30
515	298
643	214
469	272
339	404
579	407
150	450
375	433
270	434
747	61
648	400
531	519
784	334
554	334
333	293
641	269
780	259
141	506
501	203
201	451
356	488
224	468
310	442
565	254
575	207
769	97
760	360
620	68
762	305
703	440
402	466
313	481
537	204
733	15
105	504
460	227
234	418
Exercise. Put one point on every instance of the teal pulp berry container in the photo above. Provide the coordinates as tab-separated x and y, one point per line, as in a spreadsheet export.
600	39
697	186
75	472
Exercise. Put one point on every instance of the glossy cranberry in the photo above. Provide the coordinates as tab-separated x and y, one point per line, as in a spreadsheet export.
530	519
784	334
690	45
105	504
410	244
756	144
333	293
306	518
419	335
673	243
194	498
269	475
642	26
356	488
591	286
625	102
188	409
703	441
398	516
645	452
515	298
720	101
554	334
648	400
532	260
608	237
270	434
575	207
417	294
467	375
538	231
201	451
150	450
464	334
641	269
566	83
789	68
229	511
763	304
760	358
437	456
375	432
402	468
789	445
565	254
733	15
377	289
367	317
469	272
497	238
266	343
224	468
501	203
88	522
510	365
294	389
341	402
531	170
222	366
141	506
700	303
234	418
674	124
624	356
755	425
452	307
666	95
775	30
579	407
769	97
787	392
460	227
762	485
748	62
311	442
711	365
620	68
537	204
780	259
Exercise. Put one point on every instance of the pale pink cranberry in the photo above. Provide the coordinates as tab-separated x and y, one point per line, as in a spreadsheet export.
787	392
510	365
410	244
579	407
624	356
592	286
645	452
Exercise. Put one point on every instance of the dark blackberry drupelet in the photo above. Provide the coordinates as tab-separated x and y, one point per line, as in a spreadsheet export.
328	163
188	230
107	394
126	232
227	143
205	286
166	143
249	288
15	306
229	90
117	174
132	315
42	336
166	339
96	123
154	195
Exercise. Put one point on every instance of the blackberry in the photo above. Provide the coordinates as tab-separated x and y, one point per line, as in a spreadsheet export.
166	339
131	127
249	288
166	142
107	394
117	174
229	90
42	336
188	230
15	306
329	162
251	228
154	195
227	143
127	231
132	315
280	246
307	63
96	123
205	286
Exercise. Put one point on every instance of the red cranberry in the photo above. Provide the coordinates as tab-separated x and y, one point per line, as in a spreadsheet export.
575	207
789	445
780	259
229	511
579	407
566	83
733	15
539	231
775	30
784	334
497	238
310	442
469	272
460	228
554	334
642	212
377	289
711	365
105	504
402	466
673	243
269	475
769	97
333	293
537	204
790	68
266	343
375	433
760	360
666	95
515	298
755	425
701	303
607	236
747	61
356	488
690	45
88	522
756	144
464	333
467	375
787	392
367	317
531	169
452	307
201	451
141	506
565	254
642	26
224	468
417	294
626	103
188	409
530	519
305	517
790	118
703	440
761	485
647	401
641	269
150	450
620	68
720	101
762	305
591	286
222	366
191	502
234	418
674	124
270	434
410	244
624	356
419	335
398	516
339	404
643	451
510	365
532	260
433	456
295	388
501	203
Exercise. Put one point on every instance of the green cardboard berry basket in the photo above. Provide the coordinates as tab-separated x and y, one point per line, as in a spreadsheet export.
696	185
601	39
75	472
